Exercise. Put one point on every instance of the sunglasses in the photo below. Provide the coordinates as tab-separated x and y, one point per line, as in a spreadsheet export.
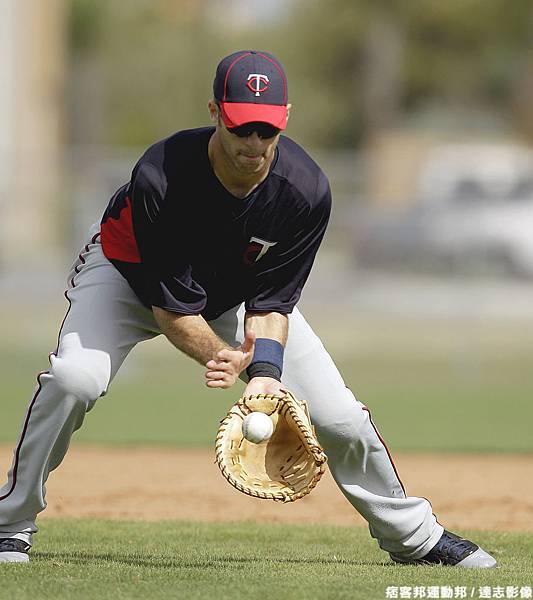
263	130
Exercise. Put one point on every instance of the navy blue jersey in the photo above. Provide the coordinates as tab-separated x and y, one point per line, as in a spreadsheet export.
187	245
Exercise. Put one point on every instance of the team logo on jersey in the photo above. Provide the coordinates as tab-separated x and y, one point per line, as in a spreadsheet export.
257	83
257	248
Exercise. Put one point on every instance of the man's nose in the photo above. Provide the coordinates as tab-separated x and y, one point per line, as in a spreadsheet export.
254	140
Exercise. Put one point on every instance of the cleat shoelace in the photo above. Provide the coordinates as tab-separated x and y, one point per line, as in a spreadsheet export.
13	545
453	547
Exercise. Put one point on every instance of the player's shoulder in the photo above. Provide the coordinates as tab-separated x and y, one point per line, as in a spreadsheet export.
170	156
181	145
301	172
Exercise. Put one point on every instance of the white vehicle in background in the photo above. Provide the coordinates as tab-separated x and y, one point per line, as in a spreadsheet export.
473	213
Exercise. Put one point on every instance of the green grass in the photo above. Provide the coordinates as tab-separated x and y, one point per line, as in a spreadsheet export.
431	385
98	559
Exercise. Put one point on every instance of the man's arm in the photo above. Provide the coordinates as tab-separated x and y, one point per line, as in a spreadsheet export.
189	333
192	335
274	326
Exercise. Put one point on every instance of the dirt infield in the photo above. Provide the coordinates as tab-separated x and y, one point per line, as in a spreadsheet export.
467	491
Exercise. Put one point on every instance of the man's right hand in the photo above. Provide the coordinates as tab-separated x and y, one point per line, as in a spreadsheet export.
229	363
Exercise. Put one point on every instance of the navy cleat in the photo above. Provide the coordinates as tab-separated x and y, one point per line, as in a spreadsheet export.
14	550
453	551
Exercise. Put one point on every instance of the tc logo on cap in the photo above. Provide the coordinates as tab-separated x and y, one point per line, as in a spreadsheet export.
257	83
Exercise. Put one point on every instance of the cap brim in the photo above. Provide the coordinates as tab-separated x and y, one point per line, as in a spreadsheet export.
235	114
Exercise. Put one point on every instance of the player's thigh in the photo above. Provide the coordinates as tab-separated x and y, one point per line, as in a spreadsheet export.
310	373
105	318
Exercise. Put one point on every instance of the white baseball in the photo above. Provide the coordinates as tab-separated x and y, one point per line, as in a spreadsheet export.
257	427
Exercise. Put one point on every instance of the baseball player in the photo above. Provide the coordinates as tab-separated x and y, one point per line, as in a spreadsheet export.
210	243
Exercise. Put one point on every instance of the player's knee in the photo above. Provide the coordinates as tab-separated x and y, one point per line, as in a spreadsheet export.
82	372
85	377
346	427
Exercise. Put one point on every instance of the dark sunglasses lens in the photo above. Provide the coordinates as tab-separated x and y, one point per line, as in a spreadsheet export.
264	130
242	131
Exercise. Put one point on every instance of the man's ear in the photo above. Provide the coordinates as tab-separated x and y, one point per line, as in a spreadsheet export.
214	112
289	106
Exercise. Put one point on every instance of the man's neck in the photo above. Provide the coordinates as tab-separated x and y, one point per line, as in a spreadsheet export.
238	184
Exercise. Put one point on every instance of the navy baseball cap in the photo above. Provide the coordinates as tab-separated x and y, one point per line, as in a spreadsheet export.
251	86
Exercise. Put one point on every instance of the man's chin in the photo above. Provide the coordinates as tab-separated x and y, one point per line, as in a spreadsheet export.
250	166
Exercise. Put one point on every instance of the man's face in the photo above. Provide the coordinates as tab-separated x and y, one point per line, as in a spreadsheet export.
247	155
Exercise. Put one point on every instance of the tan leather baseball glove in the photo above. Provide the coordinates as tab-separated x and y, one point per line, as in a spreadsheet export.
287	466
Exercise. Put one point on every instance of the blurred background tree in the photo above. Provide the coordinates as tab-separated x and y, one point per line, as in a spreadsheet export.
142	69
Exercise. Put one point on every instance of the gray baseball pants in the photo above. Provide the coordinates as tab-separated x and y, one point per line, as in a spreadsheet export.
105	321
